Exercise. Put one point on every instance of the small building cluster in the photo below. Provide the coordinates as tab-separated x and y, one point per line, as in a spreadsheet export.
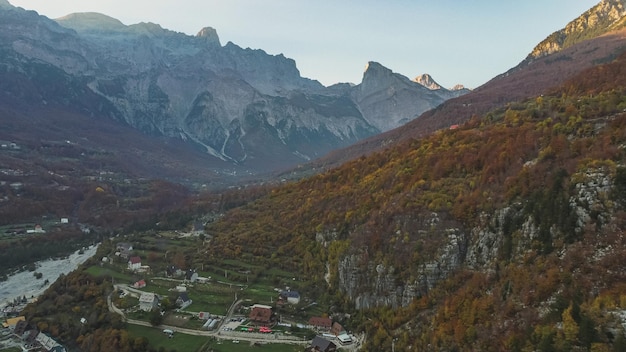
30	338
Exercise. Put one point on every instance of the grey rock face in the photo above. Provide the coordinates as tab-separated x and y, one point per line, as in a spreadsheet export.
388	100
504	234
240	105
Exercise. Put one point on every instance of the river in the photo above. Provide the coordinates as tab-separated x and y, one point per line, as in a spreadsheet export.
25	284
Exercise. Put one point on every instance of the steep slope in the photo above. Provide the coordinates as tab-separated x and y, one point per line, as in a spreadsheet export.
530	78
607	16
503	234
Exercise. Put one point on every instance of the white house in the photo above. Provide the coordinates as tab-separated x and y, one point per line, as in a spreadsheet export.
148	301
134	263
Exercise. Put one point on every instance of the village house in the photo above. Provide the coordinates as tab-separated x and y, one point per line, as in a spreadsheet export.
12	322
183	301
29	338
20	328
148	301
337	329
174	271
289	296
134	263
191	276
140	284
321	323
37	229
261	314
124	250
48	343
320	344
124	246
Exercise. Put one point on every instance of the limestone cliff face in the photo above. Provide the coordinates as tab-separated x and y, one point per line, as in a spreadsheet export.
506	234
607	15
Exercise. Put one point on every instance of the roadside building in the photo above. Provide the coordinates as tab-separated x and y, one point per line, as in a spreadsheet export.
320	344
261	314
321	323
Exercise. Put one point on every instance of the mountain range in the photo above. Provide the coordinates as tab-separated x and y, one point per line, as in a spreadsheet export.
492	222
243	107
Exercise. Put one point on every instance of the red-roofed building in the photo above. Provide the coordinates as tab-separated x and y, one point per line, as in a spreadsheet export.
134	263
140	284
321	323
261	314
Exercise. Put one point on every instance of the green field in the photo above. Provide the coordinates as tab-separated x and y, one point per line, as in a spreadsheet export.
107	270
189	343
157	339
244	346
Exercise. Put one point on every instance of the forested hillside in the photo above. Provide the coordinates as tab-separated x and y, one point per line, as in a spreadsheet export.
503	234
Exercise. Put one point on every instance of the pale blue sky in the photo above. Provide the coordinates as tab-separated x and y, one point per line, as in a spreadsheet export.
455	41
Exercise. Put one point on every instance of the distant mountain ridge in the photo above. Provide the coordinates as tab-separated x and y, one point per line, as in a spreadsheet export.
241	106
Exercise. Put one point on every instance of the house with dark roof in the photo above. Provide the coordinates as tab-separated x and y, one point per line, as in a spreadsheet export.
124	250
20	327
337	329
321	323
191	276
320	344
291	297
174	271
183	300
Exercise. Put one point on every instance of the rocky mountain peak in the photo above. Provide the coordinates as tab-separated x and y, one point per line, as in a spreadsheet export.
86	21
427	81
374	70
389	100
209	34
5	3
605	16
458	87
